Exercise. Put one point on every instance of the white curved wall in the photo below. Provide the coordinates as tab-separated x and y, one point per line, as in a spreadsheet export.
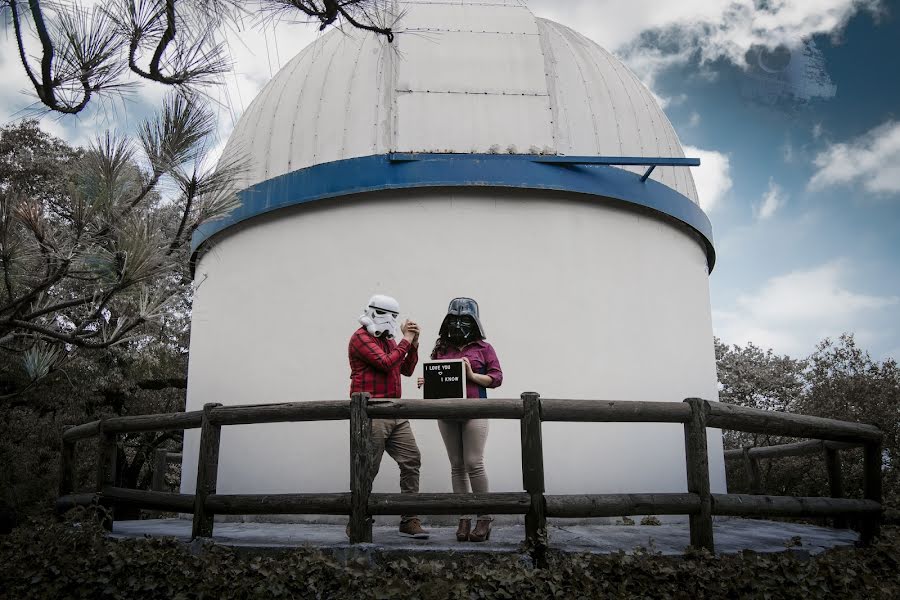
581	300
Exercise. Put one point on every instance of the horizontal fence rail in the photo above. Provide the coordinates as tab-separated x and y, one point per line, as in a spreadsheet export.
470	408
164	422
360	504
752	420
585	506
741	505
293	412
607	411
795	449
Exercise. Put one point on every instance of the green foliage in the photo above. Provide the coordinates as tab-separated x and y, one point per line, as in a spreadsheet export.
92	254
839	381
48	560
650	520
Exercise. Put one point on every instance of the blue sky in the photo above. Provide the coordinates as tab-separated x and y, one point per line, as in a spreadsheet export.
823	257
794	107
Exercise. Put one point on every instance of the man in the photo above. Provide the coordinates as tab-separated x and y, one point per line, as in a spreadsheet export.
376	363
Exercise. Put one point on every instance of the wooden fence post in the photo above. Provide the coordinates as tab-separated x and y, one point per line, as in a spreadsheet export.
835	483
871	526
207	473
751	465
67	468
533	478
697	462
360	469
106	471
160	466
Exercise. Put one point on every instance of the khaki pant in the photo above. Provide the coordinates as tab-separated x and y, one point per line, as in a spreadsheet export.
465	442
395	436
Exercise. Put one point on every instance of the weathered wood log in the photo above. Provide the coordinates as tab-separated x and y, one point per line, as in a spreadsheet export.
80	432
66	468
751	466
835	481
207	474
614	411
361	471
795	449
501	503
471	408
536	537
70	501
752	420
873	460
583	506
746	505
288	412
161	422
106	469
160	466
149	500
697	463
279	504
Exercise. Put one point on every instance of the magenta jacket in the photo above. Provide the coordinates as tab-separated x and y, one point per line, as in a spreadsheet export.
484	361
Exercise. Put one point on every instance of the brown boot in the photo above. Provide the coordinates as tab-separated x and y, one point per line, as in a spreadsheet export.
462	532
482	531
413	528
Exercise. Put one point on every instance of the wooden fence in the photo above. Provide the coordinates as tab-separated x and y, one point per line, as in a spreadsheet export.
694	414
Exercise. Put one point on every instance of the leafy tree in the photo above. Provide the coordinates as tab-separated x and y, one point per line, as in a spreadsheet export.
843	382
83	54
95	293
90	251
839	381
759	379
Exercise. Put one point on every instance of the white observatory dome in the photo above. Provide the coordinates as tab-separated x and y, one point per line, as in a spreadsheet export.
484	153
470	76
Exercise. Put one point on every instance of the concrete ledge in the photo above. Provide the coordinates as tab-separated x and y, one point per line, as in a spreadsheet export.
731	535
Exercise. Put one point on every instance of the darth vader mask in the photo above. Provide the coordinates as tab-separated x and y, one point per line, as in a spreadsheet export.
461	330
462	325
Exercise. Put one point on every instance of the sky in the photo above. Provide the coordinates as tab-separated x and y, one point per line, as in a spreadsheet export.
793	107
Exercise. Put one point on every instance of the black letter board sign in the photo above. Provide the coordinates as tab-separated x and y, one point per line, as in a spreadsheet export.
445	379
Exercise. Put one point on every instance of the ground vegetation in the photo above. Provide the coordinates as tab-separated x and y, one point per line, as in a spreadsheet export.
51	560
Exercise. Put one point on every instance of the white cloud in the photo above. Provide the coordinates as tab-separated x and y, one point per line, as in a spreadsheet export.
871	161
711	29
792	312
712	177
772	200
694	119
787	152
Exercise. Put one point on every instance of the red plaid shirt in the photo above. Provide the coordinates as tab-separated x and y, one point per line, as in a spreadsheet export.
377	362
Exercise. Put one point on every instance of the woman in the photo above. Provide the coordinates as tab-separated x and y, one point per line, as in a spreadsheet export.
462	336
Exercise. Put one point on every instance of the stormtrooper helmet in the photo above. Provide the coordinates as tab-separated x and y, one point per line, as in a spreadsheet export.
462	325
380	316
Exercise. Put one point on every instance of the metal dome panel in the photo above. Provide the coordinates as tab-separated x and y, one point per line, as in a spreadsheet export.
467	77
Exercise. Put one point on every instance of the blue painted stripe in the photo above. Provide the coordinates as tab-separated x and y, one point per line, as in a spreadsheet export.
409	171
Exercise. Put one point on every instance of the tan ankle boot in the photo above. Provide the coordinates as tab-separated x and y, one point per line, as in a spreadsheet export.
413	529
482	531
462	532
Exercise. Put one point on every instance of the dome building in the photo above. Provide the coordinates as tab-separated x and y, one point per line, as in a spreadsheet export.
484	153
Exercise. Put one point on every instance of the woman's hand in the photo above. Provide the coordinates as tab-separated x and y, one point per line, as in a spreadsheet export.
478	378
420	382
469	372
